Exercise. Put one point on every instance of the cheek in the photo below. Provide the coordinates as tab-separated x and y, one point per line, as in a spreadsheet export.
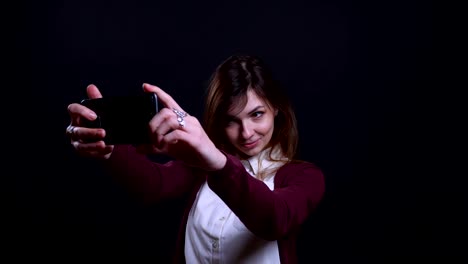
267	127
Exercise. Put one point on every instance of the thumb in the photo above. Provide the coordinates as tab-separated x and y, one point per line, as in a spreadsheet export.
149	88
93	92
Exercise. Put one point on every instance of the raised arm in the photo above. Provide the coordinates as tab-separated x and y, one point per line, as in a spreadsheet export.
299	187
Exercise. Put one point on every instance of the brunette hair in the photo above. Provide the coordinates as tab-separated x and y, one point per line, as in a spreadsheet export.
228	88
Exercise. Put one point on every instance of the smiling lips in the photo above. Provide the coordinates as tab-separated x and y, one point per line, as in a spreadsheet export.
250	145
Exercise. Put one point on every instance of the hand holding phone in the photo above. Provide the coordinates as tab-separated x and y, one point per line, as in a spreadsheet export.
124	118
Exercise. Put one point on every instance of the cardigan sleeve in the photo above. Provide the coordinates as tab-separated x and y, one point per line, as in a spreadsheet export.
271	215
148	180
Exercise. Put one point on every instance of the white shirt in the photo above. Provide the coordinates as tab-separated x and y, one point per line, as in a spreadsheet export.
214	234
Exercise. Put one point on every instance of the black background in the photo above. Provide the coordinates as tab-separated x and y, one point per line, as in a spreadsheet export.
359	74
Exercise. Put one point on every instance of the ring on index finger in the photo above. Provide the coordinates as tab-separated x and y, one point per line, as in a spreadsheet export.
180	117
71	130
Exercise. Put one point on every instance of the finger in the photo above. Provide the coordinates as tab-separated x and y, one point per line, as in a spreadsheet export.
164	97
78	111
174	137
85	134
92	146
93	149
95	154
93	91
164	122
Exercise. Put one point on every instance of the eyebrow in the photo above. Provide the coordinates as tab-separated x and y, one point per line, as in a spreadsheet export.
250	112
256	109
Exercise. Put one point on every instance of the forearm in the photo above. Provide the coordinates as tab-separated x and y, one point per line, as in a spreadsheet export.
146	179
268	214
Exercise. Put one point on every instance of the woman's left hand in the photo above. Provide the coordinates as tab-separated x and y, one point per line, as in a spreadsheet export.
181	136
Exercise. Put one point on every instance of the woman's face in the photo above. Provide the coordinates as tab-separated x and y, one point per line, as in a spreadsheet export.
250	130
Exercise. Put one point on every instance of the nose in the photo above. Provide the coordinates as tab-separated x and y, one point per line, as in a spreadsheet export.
247	130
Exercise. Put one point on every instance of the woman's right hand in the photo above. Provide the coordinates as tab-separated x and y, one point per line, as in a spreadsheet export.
87	141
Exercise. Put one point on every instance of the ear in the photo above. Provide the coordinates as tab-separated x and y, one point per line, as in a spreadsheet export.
276	111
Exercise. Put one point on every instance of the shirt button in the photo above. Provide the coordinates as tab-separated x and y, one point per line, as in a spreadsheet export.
222	218
215	244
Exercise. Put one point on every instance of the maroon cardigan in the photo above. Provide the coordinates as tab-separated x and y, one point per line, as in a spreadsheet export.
271	215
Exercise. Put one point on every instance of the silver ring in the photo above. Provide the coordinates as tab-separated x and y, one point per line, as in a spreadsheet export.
180	117
71	130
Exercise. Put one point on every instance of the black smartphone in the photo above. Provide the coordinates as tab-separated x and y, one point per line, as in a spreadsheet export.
124	118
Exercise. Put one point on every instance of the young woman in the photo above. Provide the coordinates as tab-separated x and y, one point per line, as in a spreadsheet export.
247	196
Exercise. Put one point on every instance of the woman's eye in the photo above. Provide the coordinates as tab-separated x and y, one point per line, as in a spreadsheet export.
230	122
257	114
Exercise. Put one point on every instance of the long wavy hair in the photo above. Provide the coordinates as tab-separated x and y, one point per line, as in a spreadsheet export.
228	88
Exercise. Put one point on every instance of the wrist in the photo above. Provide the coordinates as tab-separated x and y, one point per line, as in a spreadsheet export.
220	161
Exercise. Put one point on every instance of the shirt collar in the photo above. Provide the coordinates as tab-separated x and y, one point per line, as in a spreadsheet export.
252	163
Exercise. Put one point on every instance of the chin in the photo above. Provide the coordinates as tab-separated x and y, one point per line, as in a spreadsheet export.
251	152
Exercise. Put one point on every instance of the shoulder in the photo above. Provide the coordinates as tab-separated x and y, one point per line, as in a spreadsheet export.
301	179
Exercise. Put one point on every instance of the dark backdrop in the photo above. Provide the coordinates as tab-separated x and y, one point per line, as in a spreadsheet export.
358	73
